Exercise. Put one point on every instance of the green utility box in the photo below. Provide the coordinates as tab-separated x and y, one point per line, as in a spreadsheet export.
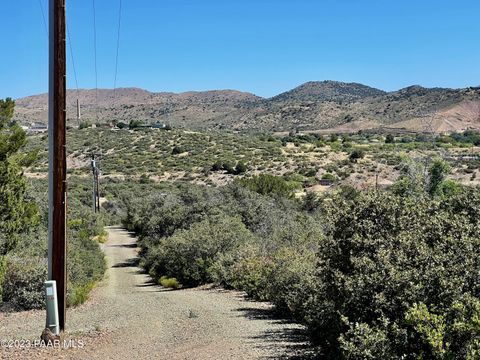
52	306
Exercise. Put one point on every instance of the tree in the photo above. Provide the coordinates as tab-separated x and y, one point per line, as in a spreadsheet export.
134	124
177	150
217	166
229	167
382	255
437	172
7	107
17	213
84	125
357	154
266	184
241	168
333	137
390	139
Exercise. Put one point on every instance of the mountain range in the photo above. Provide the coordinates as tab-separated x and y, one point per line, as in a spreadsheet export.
313	106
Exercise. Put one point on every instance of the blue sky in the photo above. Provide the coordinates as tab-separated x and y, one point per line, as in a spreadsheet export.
261	46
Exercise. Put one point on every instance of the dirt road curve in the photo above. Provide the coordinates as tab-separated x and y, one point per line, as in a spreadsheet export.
128	317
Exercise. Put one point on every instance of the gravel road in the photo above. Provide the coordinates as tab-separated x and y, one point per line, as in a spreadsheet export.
129	317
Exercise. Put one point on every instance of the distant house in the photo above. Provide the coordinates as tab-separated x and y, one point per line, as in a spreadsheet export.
158	126
37	128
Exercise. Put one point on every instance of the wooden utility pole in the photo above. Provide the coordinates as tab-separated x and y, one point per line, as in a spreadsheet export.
57	249
95	197
97	174
79	115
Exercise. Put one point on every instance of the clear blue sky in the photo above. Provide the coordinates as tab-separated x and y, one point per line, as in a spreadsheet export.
261	46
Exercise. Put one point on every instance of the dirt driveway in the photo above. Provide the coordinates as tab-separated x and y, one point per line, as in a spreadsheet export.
129	317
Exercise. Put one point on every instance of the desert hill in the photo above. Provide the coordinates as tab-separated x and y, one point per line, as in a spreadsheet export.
326	105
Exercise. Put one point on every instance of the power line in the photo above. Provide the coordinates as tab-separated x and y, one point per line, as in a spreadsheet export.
70	45
43	17
118	47
95	56
73	59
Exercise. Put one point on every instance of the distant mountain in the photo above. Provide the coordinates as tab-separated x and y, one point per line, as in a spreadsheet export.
328	91
191	109
336	106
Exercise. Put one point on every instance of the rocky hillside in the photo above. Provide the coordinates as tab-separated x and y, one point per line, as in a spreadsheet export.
328	91
326	105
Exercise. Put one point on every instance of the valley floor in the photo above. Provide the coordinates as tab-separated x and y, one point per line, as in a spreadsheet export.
131	318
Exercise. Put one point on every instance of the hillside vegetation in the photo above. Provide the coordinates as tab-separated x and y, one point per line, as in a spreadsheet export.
313	106
24	224
389	275
216	158
370	240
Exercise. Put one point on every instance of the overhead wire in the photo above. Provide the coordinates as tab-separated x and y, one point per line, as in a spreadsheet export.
72	57
43	16
118	48
70	46
73	61
95	57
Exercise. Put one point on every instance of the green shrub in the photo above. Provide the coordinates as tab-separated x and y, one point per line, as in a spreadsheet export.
85	125
189	254
167	282
357	154
23	283
389	139
382	255
177	150
217	166
244	269
266	184
449	335
3	270
229	168
328	176
292	280
241	168
79	294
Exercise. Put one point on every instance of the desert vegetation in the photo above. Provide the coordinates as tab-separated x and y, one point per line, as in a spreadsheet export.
369	239
372	274
23	228
215	158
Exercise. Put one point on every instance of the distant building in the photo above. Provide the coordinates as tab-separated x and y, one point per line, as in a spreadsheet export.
37	128
158	126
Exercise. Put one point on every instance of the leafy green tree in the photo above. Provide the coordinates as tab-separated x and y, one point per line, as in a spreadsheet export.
17	212
7	108
382	255
177	150
266	184
437	172
357	154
